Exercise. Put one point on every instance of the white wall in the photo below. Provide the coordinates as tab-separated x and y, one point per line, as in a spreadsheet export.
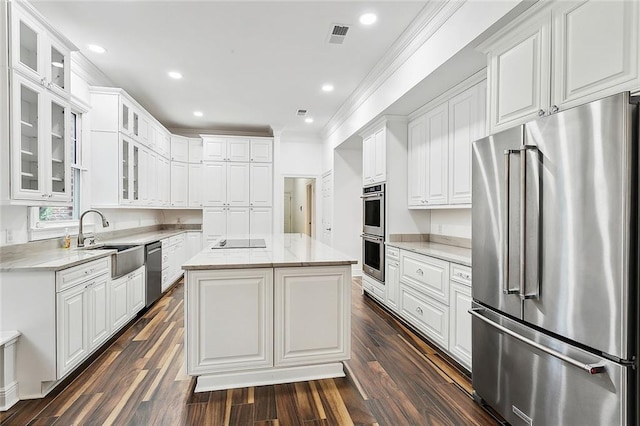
347	205
14	219
296	155
454	222
182	217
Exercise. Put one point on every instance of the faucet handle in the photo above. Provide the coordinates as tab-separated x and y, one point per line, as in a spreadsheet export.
91	240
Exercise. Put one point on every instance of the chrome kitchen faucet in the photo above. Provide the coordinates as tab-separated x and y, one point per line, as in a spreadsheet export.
105	224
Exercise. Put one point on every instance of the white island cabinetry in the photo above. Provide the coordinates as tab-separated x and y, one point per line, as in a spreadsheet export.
269	315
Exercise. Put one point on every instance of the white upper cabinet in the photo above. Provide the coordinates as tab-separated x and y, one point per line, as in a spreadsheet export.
238	183
195	185
179	148
260	220
261	185
39	54
374	156
214	192
179	184
439	147
225	149
436	146
195	150
596	50
558	55
261	150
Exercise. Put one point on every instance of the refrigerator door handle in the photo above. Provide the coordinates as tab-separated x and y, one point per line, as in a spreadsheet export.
505	231
589	368
523	224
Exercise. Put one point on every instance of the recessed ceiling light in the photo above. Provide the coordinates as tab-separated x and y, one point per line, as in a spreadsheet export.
96	48
308	120
327	87
198	113
57	64
175	75
368	18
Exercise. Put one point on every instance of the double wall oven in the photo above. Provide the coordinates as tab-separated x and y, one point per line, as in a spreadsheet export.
373	221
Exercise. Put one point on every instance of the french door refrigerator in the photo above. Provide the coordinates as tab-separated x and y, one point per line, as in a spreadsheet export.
555	268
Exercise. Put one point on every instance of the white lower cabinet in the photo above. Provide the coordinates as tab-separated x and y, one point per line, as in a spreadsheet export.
72	330
460	323
432	295
98	312
127	297
193	243
312	316
174	254
136	291
231	320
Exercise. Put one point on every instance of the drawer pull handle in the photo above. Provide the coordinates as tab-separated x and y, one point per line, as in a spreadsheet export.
419	272
419	310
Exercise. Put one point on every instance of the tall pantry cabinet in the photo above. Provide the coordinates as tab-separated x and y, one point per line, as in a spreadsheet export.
39	80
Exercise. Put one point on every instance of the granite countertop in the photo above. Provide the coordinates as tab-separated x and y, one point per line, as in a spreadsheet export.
57	259
282	250
446	252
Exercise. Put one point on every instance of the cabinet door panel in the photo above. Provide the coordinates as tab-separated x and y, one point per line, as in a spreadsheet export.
72	328
392	284
261	150
380	156
195	185
214	222
260	221
427	315
214	149
595	50
460	323
179	184
179	149
368	153
99	321
230	320
119	307
520	74
437	135
136	292
261	185
214	190
237	149
238	221
416	162
238	184
463	124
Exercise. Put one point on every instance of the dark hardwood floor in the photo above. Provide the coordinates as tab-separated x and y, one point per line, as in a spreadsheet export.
394	378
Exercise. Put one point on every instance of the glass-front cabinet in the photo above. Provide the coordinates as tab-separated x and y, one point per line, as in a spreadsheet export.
41	167
37	54
125	170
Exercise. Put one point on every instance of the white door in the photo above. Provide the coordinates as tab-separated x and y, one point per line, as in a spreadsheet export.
179	184
261	150
238	221
261	185
71	328
595	50
261	221
463	125
416	179
214	222
238	184
230	323
437	135
214	184
98	311
196	184
237	149
119	307
214	149
519	72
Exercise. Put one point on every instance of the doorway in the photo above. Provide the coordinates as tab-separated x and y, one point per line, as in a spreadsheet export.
299	205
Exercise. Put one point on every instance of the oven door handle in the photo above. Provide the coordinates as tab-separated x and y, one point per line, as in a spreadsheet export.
375	195
372	237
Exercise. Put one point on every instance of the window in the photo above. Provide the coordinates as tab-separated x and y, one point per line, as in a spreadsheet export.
59	217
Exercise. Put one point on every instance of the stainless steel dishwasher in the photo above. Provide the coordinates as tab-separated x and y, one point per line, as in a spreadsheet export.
153	263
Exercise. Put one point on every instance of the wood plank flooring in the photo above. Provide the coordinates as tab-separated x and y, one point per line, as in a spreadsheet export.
394	378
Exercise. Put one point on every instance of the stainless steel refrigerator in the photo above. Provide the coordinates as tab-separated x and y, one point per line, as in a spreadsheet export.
555	268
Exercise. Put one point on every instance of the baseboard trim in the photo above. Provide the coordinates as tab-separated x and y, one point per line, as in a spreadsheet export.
8	396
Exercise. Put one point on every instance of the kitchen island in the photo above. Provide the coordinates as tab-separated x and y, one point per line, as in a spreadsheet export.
259	316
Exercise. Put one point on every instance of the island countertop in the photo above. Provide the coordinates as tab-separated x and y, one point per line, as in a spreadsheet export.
282	250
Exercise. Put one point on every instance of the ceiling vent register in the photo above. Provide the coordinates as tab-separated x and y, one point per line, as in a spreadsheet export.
337	33
301	112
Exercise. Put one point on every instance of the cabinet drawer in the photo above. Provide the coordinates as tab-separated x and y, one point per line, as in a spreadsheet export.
373	289
426	274
428	315
176	239
393	253
461	274
70	277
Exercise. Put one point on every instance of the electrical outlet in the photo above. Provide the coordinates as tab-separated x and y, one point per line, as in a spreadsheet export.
9	235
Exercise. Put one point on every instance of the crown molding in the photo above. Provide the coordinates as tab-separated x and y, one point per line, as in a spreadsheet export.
88	71
428	21
381	121
222	131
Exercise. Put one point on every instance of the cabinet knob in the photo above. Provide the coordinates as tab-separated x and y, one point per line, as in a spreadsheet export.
44	195
420	272
541	113
554	109
419	310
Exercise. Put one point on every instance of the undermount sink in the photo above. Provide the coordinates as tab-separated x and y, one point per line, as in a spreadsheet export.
127	258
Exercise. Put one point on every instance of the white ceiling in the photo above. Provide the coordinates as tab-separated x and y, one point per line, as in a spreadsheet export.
246	65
